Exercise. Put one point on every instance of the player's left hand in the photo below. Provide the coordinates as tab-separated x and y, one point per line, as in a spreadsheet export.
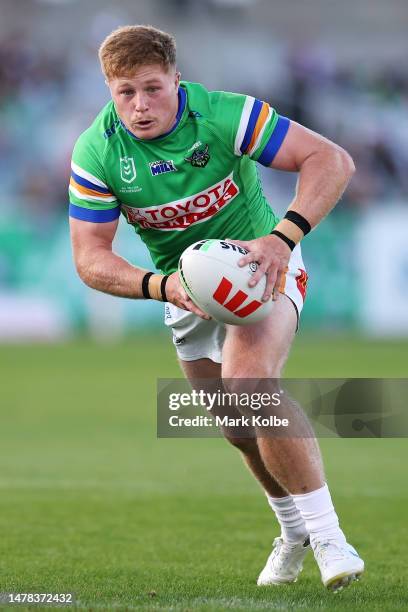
272	256
177	295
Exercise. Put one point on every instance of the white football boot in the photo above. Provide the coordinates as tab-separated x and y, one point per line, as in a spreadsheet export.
285	562
339	563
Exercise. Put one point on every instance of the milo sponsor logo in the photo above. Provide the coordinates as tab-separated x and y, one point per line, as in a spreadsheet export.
180	214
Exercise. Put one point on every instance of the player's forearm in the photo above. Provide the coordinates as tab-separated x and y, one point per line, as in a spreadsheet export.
105	271
323	177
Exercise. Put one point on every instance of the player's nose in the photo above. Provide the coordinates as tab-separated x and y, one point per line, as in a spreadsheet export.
140	103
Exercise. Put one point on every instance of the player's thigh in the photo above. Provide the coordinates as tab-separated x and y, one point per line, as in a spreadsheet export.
200	368
260	350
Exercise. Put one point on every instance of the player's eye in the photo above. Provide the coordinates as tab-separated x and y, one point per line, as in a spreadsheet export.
152	89
127	92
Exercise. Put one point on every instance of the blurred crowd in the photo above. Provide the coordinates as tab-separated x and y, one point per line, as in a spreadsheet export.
48	98
365	112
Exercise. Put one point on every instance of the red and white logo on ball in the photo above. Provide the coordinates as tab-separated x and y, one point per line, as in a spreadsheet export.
222	293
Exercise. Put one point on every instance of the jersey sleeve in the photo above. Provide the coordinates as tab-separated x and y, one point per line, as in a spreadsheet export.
89	195
259	130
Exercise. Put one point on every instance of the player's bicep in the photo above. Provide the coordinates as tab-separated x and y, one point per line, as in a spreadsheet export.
87	236
298	144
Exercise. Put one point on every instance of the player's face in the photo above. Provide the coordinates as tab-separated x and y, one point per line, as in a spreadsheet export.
147	102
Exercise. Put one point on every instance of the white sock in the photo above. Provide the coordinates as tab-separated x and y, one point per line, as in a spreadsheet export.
317	510
292	525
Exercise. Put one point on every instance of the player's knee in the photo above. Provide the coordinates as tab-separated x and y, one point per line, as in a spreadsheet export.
245	445
253	395
238	381
250	383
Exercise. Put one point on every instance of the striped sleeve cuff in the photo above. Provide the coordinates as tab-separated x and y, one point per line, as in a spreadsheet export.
274	143
92	215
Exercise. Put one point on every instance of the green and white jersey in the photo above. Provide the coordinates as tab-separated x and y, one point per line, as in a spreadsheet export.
197	181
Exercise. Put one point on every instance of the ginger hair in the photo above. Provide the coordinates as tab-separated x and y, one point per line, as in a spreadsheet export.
129	47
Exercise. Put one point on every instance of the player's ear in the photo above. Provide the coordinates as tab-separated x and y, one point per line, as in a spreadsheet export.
178	77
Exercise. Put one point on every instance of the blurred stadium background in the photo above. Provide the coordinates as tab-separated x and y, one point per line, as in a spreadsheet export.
90	500
338	68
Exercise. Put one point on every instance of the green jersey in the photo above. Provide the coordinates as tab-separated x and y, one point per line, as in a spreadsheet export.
197	181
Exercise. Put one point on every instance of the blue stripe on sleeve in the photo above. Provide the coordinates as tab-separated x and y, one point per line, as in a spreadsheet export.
95	216
275	141
253	118
88	184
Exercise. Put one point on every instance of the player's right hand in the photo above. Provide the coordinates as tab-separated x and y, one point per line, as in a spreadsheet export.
176	295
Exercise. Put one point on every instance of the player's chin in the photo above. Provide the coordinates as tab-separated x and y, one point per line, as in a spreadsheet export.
148	132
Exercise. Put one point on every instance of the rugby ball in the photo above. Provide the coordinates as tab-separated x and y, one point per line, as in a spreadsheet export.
210	275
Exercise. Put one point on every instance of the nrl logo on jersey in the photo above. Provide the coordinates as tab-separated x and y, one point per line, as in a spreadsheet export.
199	157
127	169
161	166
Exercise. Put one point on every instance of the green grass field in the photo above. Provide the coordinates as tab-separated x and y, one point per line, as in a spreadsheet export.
92	502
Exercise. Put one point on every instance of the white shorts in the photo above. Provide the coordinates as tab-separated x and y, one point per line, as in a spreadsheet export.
195	338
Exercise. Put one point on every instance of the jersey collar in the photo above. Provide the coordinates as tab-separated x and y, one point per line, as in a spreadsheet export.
182	99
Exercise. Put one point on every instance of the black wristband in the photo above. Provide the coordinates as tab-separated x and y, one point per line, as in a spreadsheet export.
145	285
163	287
298	220
288	241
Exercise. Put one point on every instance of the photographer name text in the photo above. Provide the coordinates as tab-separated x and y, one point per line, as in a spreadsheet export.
225	421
